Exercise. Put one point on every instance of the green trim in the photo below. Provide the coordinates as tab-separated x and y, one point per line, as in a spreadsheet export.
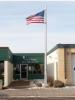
61	46
35	76
16	76
15	58
5	54
27	58
28	54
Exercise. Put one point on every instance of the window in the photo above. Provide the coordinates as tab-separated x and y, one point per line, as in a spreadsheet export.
36	69
17	69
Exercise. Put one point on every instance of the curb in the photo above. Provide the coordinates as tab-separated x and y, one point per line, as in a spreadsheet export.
41	96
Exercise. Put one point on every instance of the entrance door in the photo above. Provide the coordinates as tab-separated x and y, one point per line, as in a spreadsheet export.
73	69
23	71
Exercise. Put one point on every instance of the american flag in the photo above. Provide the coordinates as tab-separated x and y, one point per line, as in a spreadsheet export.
36	18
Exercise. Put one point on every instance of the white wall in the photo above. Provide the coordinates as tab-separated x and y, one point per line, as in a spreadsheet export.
8	73
52	60
50	70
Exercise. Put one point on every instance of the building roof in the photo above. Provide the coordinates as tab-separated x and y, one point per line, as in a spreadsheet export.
28	54
20	52
6	48
61	46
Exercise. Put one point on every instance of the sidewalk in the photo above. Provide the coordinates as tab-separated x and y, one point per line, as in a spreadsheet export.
40	92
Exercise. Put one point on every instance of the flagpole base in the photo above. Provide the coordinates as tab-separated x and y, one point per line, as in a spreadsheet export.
45	84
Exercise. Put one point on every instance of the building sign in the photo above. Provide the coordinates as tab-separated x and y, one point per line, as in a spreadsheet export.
27	59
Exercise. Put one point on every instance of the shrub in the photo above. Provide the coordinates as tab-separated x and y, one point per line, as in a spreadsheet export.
58	83
50	81
39	84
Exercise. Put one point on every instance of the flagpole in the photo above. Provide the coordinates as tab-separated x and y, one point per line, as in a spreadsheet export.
45	64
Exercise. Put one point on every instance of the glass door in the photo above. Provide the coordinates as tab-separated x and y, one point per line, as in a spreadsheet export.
23	71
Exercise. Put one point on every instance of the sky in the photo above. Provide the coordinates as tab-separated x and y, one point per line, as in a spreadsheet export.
20	37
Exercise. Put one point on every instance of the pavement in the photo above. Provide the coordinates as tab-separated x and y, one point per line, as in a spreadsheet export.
51	98
38	92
